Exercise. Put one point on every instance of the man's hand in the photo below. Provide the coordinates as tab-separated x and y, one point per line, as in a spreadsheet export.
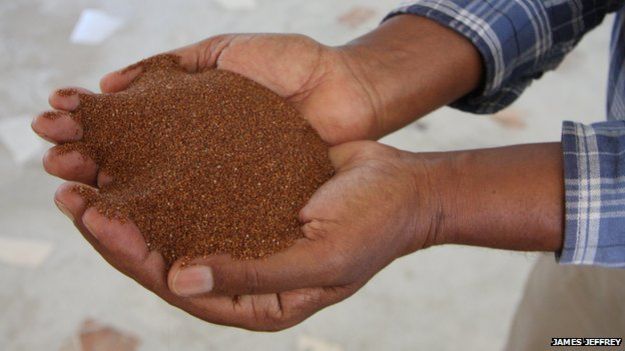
372	86
365	89
317	79
382	203
371	186
376	208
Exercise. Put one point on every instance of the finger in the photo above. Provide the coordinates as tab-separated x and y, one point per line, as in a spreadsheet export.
121	239
116	241
203	54
308	263
274	312
57	127
119	80
270	312
104	179
70	165
67	99
133	260
69	201
69	198
297	305
193	58
122	245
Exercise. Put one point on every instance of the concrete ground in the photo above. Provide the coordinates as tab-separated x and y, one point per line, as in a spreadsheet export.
445	298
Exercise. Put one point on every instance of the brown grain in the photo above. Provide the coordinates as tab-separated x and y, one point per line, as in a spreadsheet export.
52	114
203	163
66	92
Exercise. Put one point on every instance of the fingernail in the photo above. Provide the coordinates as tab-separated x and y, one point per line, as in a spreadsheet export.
193	280
64	210
33	126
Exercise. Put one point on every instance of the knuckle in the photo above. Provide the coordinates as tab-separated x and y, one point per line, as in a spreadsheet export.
251	278
269	316
302	302
296	309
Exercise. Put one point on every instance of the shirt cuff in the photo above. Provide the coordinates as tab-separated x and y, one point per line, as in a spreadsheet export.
505	35
594	176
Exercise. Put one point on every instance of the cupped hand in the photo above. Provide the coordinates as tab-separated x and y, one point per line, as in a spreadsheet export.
371	212
318	80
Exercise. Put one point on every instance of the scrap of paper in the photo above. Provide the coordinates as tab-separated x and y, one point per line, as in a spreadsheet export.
24	252
309	343
17	136
509	119
356	16
94	26
94	336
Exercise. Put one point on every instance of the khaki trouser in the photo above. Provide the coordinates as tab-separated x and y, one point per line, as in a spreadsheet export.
569	301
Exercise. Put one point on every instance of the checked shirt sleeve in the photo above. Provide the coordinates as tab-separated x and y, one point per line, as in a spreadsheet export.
594	172
518	39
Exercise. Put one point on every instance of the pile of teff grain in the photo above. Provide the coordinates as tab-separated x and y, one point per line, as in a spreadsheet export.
203	163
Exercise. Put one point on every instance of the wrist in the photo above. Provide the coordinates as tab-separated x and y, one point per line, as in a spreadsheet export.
410	66
433	177
508	198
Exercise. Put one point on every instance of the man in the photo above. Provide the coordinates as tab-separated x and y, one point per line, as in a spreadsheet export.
564	197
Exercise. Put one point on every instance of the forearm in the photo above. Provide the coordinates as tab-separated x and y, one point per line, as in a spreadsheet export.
508	198
413	66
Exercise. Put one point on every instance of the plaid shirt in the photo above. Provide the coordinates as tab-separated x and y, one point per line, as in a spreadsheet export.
518	41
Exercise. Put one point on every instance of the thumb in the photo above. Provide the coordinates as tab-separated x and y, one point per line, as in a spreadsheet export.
120	79
308	263
193	58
